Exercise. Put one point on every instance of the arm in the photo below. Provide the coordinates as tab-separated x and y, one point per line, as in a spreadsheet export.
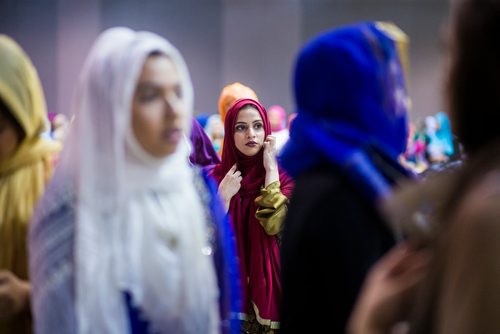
271	208
270	161
229	186
271	204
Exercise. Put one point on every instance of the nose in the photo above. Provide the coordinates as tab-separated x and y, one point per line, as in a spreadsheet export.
171	107
251	132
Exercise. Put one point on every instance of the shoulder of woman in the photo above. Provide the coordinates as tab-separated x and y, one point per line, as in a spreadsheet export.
56	206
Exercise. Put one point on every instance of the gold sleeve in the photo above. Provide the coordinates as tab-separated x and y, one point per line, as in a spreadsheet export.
271	208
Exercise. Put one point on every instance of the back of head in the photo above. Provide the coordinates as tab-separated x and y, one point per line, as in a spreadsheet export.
24	171
20	88
230	94
353	78
277	117
474	78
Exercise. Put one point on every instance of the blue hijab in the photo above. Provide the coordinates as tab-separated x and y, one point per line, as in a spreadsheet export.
352	106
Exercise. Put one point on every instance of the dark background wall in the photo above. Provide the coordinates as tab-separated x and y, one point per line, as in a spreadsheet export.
252	41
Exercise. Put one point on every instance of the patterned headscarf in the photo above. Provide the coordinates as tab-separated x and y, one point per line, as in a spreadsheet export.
352	105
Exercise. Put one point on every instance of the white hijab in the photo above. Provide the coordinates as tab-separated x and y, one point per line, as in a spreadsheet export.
140	223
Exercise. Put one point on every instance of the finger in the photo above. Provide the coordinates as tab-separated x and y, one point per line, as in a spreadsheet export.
270	138
391	261
231	171
410	264
237	173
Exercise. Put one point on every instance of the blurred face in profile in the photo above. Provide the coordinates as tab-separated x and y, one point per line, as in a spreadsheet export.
249	133
159	109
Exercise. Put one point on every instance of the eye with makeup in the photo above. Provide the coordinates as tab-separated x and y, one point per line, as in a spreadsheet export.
257	126
240	128
243	127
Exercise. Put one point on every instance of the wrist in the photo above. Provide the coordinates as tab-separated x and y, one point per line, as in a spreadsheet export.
363	322
271	168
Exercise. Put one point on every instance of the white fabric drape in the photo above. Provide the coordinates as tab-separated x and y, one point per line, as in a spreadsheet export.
140	223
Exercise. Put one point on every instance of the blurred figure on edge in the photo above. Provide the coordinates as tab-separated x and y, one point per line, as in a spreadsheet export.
460	292
26	163
344	145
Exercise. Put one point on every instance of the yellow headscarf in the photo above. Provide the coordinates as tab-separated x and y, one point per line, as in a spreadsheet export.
23	175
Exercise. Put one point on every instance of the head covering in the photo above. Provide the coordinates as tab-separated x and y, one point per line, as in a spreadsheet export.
251	168
280	111
203	152
230	94
24	174
352	106
259	252
140	225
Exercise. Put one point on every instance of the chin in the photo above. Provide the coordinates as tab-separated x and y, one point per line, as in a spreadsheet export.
251	153
165	152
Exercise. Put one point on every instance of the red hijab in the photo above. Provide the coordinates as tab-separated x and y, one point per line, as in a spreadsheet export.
259	252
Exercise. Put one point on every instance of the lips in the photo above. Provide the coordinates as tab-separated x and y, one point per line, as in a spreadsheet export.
172	135
251	144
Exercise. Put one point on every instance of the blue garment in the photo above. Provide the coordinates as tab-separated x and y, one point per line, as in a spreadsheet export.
351	108
53	266
226	261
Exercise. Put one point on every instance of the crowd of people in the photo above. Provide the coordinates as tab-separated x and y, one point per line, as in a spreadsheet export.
132	217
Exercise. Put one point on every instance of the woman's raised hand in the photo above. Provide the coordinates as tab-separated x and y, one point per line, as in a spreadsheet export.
270	161
230	185
389	290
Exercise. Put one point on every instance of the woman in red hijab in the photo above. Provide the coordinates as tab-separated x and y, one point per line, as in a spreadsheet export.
256	191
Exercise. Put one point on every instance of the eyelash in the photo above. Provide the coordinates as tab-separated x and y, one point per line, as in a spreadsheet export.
242	128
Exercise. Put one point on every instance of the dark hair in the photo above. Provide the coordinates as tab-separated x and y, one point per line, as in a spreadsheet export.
473	88
7	114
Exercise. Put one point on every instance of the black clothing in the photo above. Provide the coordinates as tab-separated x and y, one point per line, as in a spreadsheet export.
332	236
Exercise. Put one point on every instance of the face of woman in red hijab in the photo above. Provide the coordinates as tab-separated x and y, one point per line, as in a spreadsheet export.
249	131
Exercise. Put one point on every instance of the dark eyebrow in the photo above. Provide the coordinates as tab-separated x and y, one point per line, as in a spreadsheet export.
240	123
258	120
